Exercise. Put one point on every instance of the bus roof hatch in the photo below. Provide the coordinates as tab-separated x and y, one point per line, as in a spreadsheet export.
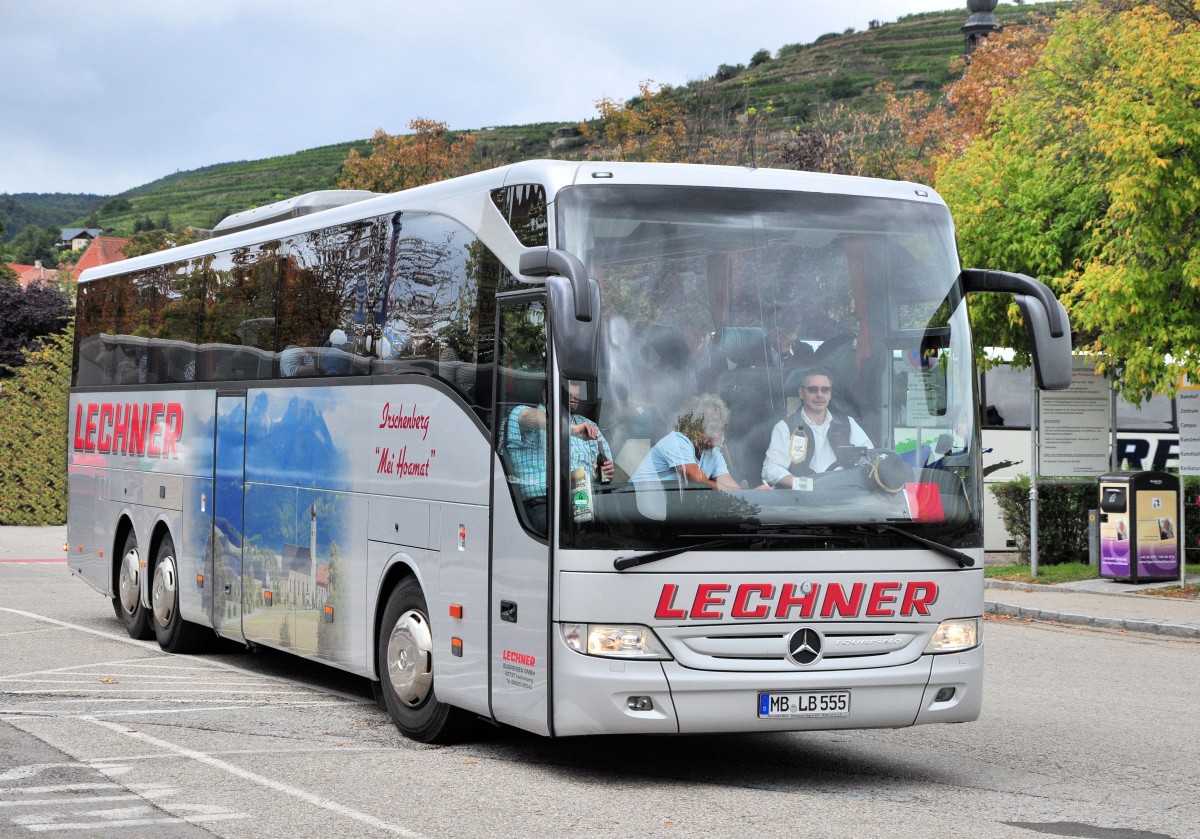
301	205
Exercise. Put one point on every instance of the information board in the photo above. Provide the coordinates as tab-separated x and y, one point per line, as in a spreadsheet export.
1074	437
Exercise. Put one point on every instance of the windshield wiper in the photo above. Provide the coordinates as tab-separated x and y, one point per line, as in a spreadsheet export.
961	558
623	562
750	536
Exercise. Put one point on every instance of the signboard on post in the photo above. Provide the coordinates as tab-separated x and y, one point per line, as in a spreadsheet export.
1187	412
1074	436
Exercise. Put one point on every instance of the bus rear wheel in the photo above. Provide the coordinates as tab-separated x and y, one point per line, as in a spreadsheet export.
405	661
175	635
127	603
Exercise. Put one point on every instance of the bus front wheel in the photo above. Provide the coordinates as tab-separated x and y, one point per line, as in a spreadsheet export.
127	602
175	635
405	661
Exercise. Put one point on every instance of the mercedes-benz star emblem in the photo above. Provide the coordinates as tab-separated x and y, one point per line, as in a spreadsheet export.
804	647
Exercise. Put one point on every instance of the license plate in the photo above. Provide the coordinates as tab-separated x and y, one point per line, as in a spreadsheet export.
809	704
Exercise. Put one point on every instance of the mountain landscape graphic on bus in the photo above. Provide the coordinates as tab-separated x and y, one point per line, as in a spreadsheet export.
289	442
296	533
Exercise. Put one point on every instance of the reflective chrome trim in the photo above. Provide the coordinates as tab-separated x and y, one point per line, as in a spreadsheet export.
410	658
164	591
129	581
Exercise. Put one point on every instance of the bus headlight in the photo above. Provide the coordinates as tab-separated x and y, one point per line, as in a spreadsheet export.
954	636
614	640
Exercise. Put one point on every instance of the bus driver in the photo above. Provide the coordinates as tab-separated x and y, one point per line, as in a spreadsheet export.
807	441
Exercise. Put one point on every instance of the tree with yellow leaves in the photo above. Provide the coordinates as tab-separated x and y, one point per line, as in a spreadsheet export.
914	133
429	154
1090	180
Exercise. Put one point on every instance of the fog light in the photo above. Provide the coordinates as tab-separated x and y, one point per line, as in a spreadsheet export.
639	703
944	695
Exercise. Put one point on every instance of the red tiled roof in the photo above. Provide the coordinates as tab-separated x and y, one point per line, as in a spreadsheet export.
27	274
101	251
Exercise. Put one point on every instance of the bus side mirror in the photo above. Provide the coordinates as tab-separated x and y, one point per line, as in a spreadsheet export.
574	303
1045	318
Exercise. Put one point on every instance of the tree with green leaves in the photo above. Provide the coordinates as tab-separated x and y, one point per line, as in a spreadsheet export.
1090	181
35	244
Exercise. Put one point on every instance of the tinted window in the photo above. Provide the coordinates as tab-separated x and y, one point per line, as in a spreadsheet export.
1007	393
433	309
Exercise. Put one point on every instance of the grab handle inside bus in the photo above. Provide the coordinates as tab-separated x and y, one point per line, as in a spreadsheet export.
1045	318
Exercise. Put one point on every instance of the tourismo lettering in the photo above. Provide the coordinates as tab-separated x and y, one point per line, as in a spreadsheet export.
410	421
520	658
149	429
759	601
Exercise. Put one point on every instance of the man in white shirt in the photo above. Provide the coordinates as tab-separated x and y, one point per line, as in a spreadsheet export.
807	441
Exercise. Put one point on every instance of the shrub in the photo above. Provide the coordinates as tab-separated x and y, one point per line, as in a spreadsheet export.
33	436
760	57
1063	518
725	72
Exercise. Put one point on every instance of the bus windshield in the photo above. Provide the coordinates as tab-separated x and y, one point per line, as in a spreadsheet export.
771	362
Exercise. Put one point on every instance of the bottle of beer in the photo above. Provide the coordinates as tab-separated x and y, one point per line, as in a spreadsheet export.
601	475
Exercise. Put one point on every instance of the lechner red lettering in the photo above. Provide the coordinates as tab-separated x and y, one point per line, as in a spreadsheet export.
837	600
881	597
128	428
666	605
741	602
706	596
795	601
520	658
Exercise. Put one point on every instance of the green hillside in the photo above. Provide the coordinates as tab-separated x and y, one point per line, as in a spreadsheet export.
797	81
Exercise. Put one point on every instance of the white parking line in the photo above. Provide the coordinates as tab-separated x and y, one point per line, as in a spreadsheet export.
56	788
246	775
147	645
87	799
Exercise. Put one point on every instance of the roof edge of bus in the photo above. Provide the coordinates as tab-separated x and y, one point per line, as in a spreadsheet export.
294	215
723	175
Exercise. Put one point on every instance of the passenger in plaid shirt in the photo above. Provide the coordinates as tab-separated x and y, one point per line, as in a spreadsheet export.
525	440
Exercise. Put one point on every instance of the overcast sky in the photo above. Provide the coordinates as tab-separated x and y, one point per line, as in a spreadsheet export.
105	96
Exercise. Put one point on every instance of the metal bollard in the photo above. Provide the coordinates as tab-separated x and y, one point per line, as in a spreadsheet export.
1094	538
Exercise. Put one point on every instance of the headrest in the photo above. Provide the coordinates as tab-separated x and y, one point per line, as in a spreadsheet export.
743	345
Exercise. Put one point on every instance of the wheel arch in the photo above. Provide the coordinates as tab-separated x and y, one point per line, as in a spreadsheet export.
401	567
121	533
160	531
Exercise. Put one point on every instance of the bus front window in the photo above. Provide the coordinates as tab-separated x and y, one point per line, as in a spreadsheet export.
775	360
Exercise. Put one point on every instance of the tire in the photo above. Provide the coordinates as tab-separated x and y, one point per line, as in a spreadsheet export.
175	635
127	602
405	662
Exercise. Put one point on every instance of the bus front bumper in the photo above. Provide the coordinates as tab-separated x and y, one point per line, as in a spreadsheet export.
606	696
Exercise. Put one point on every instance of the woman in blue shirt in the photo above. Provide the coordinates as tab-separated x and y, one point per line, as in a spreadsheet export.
692	452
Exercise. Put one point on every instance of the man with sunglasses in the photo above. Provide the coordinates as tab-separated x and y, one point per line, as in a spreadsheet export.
806	442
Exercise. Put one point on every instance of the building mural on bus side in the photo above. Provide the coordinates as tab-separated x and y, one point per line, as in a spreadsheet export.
300	522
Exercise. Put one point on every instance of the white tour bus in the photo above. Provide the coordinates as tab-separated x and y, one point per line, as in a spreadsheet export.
1147	438
346	427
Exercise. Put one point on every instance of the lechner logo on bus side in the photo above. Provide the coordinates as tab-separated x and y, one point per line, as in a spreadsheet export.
758	601
149	429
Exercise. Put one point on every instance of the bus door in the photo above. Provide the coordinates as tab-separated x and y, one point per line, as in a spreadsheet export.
229	480
521	519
